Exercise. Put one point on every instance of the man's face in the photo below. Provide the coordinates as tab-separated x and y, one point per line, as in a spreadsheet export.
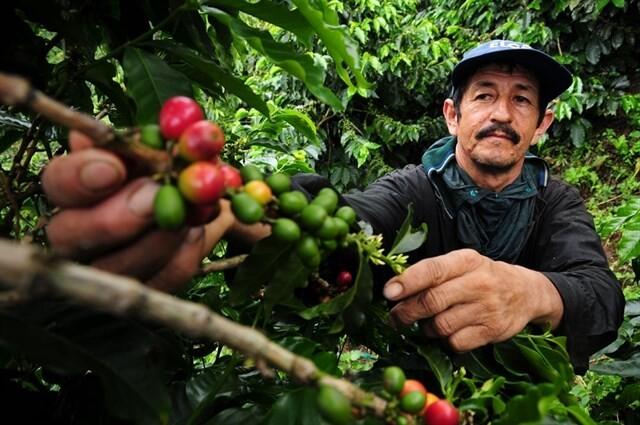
498	118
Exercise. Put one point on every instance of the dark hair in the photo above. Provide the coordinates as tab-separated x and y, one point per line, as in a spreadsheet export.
458	92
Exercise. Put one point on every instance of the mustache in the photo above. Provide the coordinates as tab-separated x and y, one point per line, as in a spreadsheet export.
502	128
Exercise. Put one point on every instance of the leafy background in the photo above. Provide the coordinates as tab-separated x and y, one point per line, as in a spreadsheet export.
348	89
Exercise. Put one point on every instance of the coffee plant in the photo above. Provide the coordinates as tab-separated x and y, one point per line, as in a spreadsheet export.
230	99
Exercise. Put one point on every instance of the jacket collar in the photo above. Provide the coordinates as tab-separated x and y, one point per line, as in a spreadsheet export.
441	154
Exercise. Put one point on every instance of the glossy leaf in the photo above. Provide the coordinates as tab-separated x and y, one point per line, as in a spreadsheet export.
296	408
409	238
284	55
530	407
277	14
101	74
210	75
439	364
290	275
324	20
625	368
258	268
150	81
629	245
300	121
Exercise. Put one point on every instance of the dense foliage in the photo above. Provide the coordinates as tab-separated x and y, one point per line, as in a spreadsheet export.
350	89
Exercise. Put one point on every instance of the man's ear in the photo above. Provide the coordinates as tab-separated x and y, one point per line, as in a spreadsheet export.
543	127
450	116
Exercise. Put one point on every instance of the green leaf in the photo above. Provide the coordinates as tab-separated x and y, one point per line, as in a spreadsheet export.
509	357
601	4
580	415
291	275
530	407
632	308
577	134
300	345
257	269
344	50
150	82
408	237
101	75
618	3
593	51
439	364
297	64
208	74
630	394
629	245
297	407
298	120
626	368
70	341
277	14
271	144
8	137
223	384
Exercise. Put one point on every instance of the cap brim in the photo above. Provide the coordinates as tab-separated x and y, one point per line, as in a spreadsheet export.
553	77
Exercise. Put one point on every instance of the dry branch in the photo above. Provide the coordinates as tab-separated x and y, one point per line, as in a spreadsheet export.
28	270
16	91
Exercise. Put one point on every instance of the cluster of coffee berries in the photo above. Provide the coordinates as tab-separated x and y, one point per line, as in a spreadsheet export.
315	225
195	144
199	179
413	399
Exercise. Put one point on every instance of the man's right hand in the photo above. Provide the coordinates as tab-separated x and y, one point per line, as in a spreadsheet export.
108	219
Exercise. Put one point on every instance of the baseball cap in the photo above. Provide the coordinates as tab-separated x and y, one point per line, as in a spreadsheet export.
552	76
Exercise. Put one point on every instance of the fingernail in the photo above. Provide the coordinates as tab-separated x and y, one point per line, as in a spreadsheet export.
141	201
392	290
195	234
99	175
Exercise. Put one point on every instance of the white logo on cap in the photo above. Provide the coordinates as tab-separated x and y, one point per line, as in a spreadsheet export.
508	44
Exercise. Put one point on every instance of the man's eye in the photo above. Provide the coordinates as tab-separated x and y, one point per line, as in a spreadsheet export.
522	99
483	96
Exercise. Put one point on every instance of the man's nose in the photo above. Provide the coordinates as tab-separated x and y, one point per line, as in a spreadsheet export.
501	111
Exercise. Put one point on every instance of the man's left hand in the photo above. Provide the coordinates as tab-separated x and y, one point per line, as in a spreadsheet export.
472	300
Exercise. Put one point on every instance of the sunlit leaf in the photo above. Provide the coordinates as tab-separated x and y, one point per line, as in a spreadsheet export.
284	55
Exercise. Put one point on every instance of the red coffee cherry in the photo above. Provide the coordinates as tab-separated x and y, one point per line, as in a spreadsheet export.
231	175
344	278
201	141
177	114
201	183
441	412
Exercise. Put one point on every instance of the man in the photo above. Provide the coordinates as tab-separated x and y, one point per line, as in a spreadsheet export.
507	245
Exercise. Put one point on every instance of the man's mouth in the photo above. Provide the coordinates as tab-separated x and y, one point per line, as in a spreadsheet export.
503	131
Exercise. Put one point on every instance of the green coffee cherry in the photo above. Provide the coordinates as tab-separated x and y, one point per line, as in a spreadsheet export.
393	380
413	402
169	208
348	214
286	230
250	172
150	135
291	203
279	183
328	230
334	406
312	217
246	209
